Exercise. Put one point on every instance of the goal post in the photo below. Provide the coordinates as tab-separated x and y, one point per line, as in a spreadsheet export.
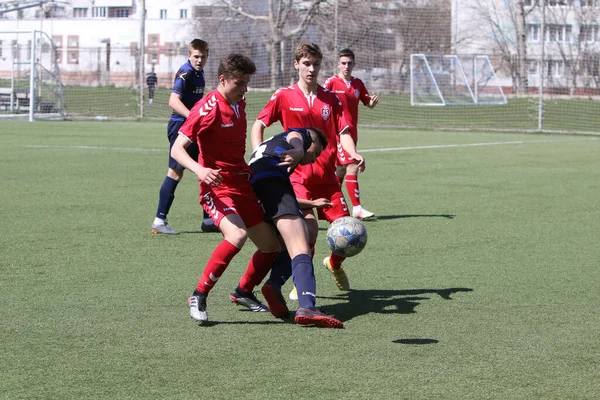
444	80
30	84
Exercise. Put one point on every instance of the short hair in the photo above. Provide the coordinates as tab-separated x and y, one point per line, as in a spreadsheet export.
320	135
198	44
346	53
235	65
308	49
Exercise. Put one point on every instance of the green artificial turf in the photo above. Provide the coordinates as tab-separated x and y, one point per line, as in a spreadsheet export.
480	279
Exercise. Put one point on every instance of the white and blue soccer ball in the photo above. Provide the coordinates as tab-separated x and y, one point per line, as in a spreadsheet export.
347	236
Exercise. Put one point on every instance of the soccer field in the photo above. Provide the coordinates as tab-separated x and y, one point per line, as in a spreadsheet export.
480	279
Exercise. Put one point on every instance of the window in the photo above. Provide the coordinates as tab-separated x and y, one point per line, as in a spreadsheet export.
153	40
588	3
533	32
558	33
57	41
533	67
80	12
73	57
99	12
119	12
202	12
72	41
557	68
163	14
153	58
559	3
183	13
591	67
588	33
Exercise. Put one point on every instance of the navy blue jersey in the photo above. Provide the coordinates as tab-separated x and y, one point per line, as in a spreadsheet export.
263	161
190	84
151	79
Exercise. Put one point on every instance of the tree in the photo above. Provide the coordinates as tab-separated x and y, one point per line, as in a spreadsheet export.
507	25
287	20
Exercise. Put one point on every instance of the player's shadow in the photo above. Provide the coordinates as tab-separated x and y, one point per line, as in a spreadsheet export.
398	216
361	302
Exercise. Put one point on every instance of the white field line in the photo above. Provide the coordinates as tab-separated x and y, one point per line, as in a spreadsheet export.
440	146
132	149
446	146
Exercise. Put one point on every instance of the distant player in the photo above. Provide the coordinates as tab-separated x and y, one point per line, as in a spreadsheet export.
151	81
188	88
350	91
217	125
272	163
306	103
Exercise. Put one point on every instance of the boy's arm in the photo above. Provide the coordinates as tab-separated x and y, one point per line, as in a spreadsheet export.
209	176
257	135
177	105
373	101
348	145
317	203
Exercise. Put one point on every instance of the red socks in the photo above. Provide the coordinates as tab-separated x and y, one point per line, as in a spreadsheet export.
259	266
217	264
352	188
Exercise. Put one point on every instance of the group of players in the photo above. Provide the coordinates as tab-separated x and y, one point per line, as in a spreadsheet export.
275	194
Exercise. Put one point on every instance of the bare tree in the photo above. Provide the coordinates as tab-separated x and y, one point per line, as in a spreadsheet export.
287	19
572	33
508	28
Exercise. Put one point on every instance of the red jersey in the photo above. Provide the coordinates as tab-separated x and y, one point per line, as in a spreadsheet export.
349	93
220	131
293	109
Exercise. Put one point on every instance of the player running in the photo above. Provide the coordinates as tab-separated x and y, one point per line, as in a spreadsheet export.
188	89
350	90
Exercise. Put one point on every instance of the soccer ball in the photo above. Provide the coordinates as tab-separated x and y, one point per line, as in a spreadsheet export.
347	236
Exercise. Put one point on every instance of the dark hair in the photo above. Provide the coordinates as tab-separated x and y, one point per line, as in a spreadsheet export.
235	65
306	49
346	53
319	134
198	44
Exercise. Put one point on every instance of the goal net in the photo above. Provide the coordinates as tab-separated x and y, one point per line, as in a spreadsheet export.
443	80
30	82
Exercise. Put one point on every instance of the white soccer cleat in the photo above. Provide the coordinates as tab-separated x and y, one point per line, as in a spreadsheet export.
198	308
363	214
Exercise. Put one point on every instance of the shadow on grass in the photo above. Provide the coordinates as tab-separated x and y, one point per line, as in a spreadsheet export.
398	216
361	302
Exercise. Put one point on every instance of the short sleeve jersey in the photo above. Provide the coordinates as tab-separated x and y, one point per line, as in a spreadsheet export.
220	131
189	84
263	161
349	93
293	109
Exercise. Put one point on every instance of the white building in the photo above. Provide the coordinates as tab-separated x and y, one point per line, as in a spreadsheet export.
93	37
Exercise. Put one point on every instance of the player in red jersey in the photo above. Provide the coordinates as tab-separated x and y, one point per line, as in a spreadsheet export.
306	103
350	91
217	123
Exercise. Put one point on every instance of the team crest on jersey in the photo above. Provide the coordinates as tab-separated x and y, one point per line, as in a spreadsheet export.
325	113
356	93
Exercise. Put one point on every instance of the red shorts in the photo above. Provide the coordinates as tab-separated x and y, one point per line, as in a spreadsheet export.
333	192
343	158
233	196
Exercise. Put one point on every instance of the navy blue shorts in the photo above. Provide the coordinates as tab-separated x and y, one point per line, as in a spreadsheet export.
172	133
277	198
